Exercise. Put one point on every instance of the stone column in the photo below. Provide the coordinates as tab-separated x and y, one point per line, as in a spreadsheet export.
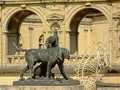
45	31
114	33
4	47
67	39
110	47
117	43
79	42
61	36
45	38
86	40
0	35
31	37
3	39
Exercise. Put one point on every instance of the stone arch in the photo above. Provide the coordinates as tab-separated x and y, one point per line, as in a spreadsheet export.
74	21
76	9
13	19
10	12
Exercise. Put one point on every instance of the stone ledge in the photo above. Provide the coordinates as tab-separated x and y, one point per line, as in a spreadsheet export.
101	84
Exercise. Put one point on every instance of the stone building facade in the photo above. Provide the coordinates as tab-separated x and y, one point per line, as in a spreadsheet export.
26	24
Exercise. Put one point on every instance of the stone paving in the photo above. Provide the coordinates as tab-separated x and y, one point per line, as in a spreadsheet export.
8	80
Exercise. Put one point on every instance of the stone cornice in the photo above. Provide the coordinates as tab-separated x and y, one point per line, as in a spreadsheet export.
50	1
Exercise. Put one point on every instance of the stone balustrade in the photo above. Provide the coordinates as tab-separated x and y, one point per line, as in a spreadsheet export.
12	59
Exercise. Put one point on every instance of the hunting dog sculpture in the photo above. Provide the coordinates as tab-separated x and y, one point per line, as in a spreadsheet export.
54	55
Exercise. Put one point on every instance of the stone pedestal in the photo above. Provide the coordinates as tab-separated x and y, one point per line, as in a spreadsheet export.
54	82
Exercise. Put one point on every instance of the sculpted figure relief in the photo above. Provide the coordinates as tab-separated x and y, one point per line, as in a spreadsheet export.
48	57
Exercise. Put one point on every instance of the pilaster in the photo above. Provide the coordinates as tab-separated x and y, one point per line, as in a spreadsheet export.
4	47
67	39
0	46
115	37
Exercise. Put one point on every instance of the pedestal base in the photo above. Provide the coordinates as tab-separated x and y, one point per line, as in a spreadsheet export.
54	82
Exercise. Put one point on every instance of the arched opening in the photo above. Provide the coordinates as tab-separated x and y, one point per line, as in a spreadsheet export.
87	26
24	30
41	41
55	26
